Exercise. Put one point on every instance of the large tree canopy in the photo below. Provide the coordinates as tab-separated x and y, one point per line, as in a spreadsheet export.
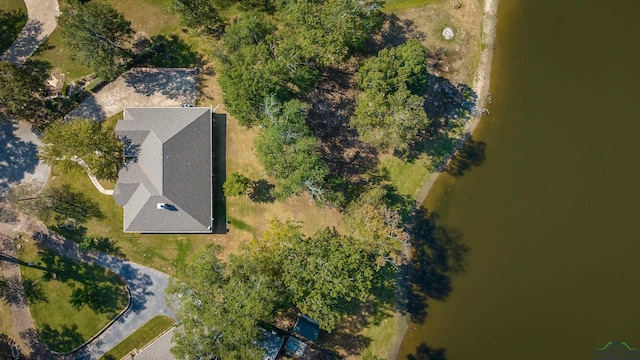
22	93
378	226
98	147
288	151
220	305
200	16
331	30
390	114
255	67
321	275
98	35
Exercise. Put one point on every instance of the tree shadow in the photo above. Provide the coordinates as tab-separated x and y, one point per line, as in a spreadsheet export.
332	104
425	352
447	101
261	191
63	339
17	157
34	291
11	290
8	348
470	154
100	297
176	84
448	107
139	283
438	254
39	350
26	42
11	23
395	31
169	52
73	204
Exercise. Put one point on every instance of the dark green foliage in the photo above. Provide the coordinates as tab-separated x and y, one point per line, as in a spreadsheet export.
86	139
97	35
200	16
11	23
330	31
255	67
22	93
322	275
390	114
288	150
220	306
236	184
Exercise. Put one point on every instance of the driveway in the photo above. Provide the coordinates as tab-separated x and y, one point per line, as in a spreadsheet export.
140	87
18	156
41	22
147	293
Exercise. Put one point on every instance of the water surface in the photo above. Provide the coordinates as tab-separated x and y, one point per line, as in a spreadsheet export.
552	215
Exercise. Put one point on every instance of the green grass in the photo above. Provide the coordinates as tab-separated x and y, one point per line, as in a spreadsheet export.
141	337
54	52
159	251
406	177
49	285
13	17
392	6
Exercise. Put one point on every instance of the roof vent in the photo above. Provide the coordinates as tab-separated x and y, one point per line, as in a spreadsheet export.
161	206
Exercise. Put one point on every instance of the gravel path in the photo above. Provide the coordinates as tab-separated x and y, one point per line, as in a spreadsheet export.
41	22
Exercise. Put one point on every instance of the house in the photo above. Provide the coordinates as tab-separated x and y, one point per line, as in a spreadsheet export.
307	327
166	185
271	342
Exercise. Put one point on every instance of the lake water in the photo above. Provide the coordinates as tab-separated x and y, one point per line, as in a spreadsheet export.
552	216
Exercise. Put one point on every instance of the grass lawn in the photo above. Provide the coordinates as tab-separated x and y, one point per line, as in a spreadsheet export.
6	325
141	337
54	52
54	283
13	17
392	6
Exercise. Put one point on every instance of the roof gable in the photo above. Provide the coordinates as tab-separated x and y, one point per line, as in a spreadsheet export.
172	165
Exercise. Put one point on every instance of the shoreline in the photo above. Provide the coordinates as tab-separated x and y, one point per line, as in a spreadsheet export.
481	83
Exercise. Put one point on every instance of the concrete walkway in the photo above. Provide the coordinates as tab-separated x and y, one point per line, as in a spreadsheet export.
147	292
41	22
93	179
140	87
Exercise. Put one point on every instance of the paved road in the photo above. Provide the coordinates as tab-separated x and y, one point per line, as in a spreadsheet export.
140	87
18	156
147	293
41	22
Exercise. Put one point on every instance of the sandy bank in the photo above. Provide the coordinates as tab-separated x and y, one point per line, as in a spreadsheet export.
481	83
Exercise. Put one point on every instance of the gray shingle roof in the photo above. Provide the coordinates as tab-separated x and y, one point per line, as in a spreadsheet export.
173	166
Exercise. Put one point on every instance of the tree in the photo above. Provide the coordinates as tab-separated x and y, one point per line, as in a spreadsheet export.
98	147
288	151
374	222
22	94
97	35
236	185
330	31
322	275
220	305
254	66
390	114
201	16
